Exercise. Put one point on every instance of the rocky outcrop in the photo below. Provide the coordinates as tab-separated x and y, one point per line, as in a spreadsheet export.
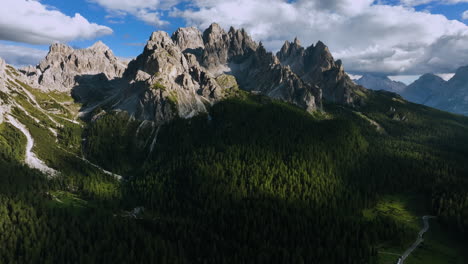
316	66
165	82
61	66
2	71
188	39
380	82
264	74
3	101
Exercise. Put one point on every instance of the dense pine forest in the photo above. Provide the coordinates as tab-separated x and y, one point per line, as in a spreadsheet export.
253	181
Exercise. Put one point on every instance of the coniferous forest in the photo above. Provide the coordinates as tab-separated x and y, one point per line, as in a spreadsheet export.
253	181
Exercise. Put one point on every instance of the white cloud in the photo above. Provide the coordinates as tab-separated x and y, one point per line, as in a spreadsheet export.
148	11
465	15
355	76
32	22
422	2
21	56
445	76
368	37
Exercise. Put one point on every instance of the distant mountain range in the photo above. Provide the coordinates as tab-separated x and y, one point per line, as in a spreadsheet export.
429	89
451	95
381	82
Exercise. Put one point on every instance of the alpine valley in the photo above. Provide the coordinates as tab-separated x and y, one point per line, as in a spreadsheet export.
207	148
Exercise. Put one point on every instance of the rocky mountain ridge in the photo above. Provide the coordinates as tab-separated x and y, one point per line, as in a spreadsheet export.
316	66
58	70
183	74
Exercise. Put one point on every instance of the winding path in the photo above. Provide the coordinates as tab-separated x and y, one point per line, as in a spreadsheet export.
31	159
418	241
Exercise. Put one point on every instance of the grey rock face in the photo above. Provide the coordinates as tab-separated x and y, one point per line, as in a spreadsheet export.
2	69
256	70
376	82
316	66
165	82
58	71
188	39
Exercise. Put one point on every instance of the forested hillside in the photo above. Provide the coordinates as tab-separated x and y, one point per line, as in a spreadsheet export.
253	181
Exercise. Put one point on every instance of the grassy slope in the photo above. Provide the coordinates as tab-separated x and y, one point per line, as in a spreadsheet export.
50	148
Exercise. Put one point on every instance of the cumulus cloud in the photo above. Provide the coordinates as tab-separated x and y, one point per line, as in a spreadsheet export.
21	56
367	37
148	11
33	22
422	2
446	76
465	15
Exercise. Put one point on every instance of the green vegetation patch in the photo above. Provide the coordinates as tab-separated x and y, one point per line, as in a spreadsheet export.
63	199
173	100
159	86
403	209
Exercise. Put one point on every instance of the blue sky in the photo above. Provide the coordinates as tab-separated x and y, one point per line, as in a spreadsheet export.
393	37
128	31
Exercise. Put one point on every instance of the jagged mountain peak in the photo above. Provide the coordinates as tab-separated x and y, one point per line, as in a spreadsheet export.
214	28
297	42
99	46
159	39
188	38
321	46
59	48
317	66
63	66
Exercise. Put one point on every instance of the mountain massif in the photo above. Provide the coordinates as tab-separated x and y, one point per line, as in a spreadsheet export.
184	74
206	148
